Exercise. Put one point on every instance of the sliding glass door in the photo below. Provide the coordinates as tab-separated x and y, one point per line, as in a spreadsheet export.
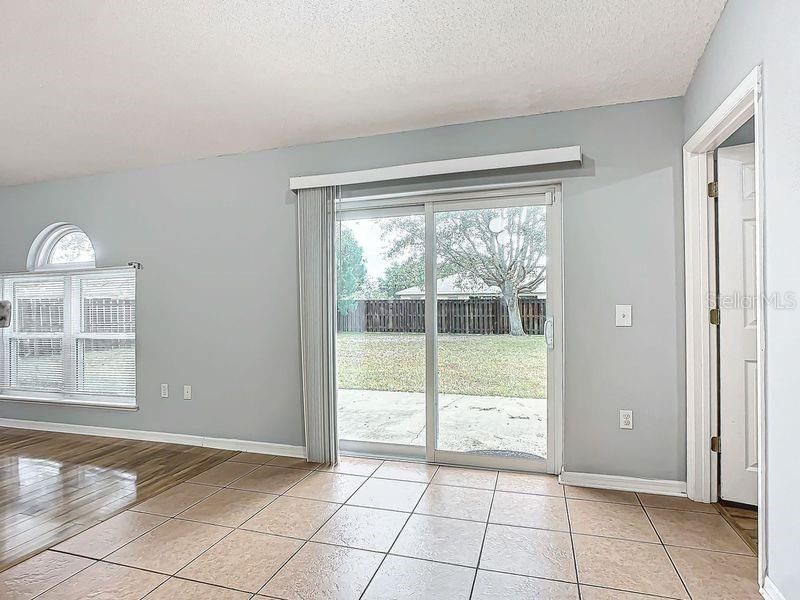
449	343
380	343
491	354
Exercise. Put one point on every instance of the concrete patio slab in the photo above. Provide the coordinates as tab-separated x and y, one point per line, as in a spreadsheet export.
477	424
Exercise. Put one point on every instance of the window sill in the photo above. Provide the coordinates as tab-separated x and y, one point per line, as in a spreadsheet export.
79	402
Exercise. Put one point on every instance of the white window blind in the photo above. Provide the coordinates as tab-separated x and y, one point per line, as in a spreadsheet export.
72	336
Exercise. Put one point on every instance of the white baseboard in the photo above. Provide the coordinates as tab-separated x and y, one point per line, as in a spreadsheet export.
664	487
158	436
770	591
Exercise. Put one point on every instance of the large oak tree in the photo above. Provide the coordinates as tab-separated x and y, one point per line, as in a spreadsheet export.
503	247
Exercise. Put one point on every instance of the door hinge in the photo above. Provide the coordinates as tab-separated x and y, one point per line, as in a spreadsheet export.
716	444
713	189
713	316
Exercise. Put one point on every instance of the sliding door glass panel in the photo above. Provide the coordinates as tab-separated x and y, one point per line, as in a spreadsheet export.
380	343
491	312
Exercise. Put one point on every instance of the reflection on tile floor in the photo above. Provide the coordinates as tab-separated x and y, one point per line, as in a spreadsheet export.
260	526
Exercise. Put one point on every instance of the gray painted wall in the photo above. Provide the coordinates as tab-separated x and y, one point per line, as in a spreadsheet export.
220	234
751	33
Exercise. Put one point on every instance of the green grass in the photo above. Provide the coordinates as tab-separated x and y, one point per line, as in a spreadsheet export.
479	365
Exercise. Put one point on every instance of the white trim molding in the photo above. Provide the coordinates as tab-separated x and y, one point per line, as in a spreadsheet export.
770	591
67	401
41	249
665	487
158	436
526	158
700	276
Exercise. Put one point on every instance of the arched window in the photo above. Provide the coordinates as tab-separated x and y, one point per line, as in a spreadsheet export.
72	334
61	246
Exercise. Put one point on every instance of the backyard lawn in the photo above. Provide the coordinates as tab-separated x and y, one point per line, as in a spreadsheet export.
476	365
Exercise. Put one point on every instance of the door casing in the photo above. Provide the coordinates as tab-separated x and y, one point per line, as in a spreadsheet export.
699	267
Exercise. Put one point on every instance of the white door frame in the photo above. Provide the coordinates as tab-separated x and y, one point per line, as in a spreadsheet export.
700	268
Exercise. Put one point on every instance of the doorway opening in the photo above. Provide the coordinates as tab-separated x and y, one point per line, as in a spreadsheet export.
449	327
725	308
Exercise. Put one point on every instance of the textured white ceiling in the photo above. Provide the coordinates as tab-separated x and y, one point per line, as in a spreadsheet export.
89	86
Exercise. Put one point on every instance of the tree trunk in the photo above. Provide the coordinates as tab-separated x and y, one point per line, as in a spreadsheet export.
511	298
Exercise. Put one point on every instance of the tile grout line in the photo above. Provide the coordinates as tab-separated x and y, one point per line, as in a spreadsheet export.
102	559
252	468
316	531
485	531
219	541
427	560
572	544
612	589
65	579
399	533
672	562
157	587
305	541
192	505
215	585
176	518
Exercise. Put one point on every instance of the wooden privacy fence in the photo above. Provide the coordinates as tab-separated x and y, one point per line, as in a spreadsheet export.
109	315
475	315
100	315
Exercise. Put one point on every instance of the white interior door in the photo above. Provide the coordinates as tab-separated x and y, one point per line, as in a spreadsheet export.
738	342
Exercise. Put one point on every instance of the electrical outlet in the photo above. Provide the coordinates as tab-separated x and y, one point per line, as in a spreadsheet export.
626	419
187	392
165	390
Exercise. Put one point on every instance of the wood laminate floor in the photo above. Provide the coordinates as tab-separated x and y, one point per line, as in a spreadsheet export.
54	485
744	521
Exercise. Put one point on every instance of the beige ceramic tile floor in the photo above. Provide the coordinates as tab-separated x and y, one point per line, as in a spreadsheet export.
260	526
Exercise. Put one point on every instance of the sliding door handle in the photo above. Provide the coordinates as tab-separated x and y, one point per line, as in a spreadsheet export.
548	333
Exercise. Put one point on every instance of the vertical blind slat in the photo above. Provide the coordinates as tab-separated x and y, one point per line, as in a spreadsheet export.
316	222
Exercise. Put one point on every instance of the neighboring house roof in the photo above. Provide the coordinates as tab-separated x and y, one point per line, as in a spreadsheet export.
448	287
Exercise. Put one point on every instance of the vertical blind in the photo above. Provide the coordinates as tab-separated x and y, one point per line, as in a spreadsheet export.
72	336
316	219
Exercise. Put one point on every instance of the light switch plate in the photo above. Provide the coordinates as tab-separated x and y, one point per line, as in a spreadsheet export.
187	392
624	317
165	390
